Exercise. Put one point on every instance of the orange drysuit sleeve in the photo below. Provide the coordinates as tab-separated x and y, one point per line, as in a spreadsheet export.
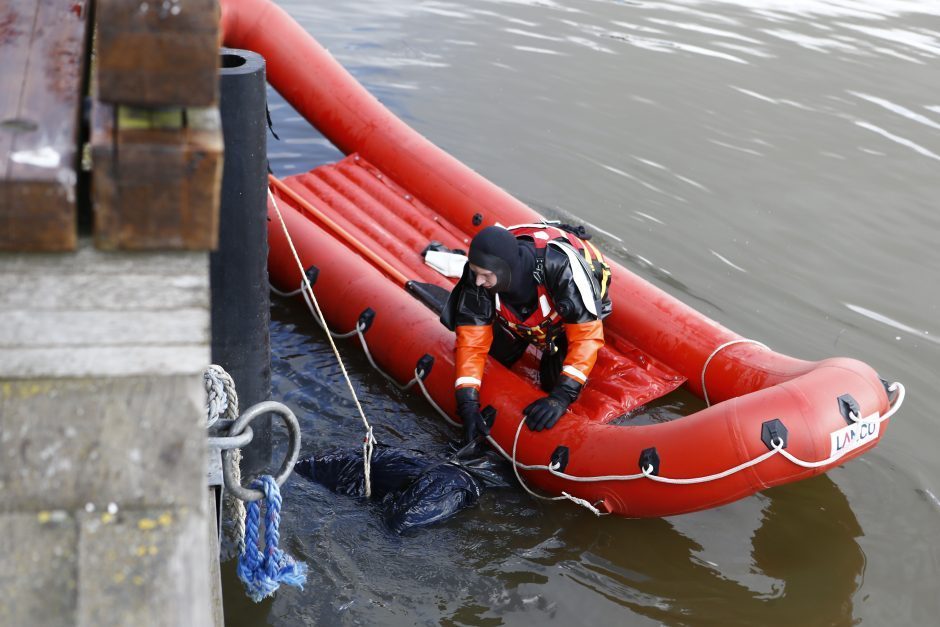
473	343
584	340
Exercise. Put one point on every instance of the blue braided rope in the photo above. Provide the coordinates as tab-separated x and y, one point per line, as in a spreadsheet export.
263	572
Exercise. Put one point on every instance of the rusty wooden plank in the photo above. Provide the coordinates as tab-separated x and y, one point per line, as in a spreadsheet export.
39	125
156	186
158	53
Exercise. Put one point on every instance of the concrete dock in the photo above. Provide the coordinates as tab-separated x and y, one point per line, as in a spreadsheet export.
102	433
108	211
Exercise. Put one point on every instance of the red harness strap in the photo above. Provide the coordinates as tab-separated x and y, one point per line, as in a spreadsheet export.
542	324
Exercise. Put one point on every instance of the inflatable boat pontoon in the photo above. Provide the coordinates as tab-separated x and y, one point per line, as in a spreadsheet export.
364	222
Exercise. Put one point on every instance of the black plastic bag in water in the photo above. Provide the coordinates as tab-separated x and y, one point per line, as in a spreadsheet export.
415	489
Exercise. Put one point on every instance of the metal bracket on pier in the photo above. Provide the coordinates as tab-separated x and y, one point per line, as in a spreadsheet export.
220	441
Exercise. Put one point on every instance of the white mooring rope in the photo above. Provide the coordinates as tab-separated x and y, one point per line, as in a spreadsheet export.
369	441
222	400
221	397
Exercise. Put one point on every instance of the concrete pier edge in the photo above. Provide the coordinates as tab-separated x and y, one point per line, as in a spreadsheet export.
102	439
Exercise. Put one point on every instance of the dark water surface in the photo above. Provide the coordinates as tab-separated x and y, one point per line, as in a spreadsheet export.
772	163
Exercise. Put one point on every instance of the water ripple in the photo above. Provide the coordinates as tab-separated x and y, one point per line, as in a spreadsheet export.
534	35
898	139
698	28
896	108
891	322
737	148
926	44
832	8
538	50
727	261
817	44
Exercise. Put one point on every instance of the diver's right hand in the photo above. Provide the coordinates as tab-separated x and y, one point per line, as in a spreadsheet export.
474	427
468	408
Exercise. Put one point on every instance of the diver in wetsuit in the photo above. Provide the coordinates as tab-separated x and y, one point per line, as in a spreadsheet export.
542	286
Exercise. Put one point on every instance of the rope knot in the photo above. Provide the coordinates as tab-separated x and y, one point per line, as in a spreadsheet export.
263	572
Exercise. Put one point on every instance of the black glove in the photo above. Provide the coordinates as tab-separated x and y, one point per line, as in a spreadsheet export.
468	408
545	412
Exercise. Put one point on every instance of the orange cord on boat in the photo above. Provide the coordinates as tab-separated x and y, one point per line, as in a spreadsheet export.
340	232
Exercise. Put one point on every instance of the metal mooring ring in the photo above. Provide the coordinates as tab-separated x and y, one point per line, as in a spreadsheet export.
293	430
223	443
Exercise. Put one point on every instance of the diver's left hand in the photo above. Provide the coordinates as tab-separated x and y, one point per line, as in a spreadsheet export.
545	412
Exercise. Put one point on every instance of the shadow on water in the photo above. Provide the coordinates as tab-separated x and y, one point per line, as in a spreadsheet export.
804	550
802	563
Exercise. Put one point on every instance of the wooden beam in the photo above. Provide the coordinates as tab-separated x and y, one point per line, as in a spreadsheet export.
158	53
96	294
156	178
42	48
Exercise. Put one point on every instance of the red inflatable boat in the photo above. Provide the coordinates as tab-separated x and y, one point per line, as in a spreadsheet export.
363	222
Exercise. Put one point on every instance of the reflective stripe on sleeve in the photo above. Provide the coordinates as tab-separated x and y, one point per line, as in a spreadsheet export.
468	381
574	373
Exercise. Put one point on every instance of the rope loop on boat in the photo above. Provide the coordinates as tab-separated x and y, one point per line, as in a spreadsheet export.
358	330
647	472
718	350
515	468
313	311
297	292
419	373
898	387
311	298
419	379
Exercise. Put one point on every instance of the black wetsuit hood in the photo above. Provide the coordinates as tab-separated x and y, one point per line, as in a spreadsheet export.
513	262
